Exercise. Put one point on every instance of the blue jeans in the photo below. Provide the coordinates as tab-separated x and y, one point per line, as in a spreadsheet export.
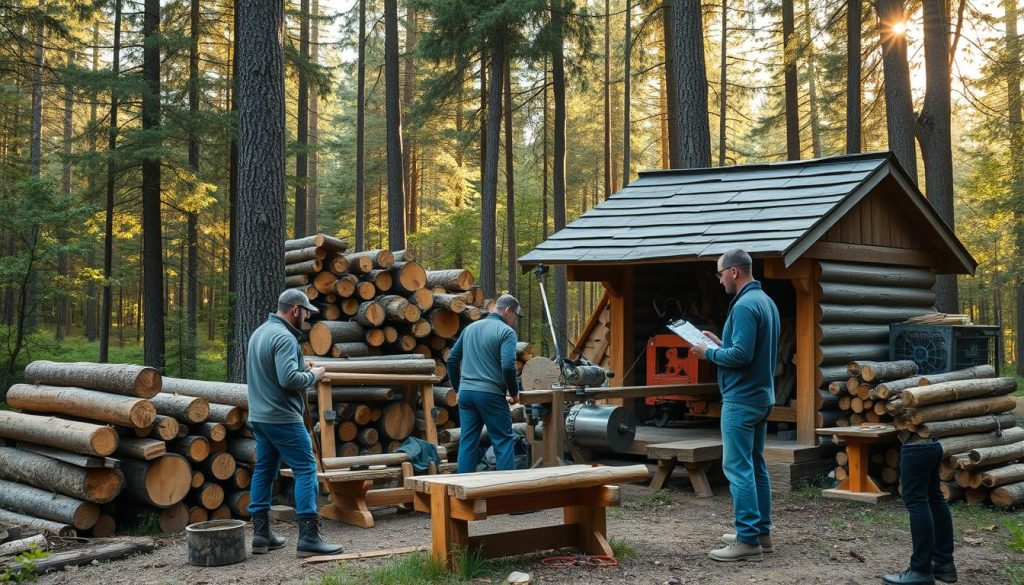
931	526
477	409
291	443
743	432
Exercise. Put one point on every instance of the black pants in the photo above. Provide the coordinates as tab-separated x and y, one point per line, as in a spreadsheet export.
931	526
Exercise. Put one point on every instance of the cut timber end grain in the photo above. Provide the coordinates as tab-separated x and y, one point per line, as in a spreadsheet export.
74	436
354	349
161	483
303	254
232	417
338	265
408	277
345	287
174	519
370	314
420	329
455	303
398	309
359	264
375	337
324	334
452	280
423	299
307	267
325	282
129	380
381	279
186	409
101	406
379	258
238	502
366	291
92	484
445	323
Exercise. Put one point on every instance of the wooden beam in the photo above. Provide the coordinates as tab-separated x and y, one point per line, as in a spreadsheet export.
615	392
578	273
324	403
806	359
871	254
775	269
621	326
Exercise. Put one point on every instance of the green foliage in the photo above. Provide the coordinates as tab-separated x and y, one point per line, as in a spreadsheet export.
622	549
146	523
25	565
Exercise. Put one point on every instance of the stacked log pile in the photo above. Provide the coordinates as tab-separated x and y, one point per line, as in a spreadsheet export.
857	399
98	445
968	412
381	304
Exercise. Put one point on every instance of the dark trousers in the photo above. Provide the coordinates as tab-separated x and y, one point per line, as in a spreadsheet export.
931	526
477	410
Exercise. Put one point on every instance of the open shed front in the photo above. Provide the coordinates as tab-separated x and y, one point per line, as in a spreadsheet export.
844	246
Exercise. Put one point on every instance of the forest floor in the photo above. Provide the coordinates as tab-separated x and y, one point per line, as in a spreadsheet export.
660	538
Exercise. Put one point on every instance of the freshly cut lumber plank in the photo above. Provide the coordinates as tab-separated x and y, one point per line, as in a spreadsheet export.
213	392
79	437
33	501
79	402
406	366
130	380
97	484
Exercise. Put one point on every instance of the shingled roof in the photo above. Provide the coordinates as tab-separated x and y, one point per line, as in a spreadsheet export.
776	209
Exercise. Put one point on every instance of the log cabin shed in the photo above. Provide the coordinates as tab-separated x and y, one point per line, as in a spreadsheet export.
845	245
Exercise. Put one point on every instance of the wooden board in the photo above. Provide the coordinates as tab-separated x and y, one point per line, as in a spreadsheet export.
490	483
687	450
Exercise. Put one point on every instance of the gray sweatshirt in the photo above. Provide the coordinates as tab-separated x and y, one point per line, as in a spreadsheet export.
276	373
484	358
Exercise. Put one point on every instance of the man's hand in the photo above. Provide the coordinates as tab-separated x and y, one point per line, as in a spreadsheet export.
712	337
699	350
318	373
513	400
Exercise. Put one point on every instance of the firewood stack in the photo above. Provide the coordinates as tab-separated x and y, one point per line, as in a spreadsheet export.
380	304
968	411
100	444
858	400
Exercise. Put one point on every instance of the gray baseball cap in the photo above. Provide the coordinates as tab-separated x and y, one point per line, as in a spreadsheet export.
292	297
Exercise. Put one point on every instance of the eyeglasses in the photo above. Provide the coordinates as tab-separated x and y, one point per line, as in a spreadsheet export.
719	273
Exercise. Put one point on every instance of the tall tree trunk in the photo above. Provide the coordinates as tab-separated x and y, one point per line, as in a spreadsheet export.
192	217
510	192
236	352
409	145
31	307
313	185
812	85
544	157
663	100
898	100
91	309
853	92
561	301
261	155
152	242
62	317
393	114
627	82
789	48
607	110
483	113
723	91
671	97
302	129
361	131
489	189
108	230
935	135
691	96
1013	93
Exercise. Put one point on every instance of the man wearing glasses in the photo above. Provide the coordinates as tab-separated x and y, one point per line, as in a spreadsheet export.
482	368
746	378
277	380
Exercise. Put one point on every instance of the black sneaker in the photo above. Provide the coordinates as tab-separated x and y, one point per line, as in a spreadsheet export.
945	572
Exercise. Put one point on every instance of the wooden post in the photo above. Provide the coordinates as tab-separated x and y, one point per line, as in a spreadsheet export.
806	366
427	392
324	403
554	430
621	296
448	532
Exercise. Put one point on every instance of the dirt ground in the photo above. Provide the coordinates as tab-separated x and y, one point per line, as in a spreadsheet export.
817	541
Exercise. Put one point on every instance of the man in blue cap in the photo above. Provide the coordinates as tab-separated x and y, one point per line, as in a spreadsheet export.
278	379
482	368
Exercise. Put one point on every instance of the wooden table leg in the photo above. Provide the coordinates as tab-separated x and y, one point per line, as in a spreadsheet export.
592	528
858	480
698	473
664	471
348	503
554	431
327	433
447	533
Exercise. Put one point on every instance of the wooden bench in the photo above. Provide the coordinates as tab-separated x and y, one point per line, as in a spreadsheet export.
351	487
695	455
582	491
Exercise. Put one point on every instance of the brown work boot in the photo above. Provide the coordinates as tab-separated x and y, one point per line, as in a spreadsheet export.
737	551
764	539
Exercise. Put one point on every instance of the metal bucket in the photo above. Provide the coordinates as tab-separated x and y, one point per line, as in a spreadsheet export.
216	543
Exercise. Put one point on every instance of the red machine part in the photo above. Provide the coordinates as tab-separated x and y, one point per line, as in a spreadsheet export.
669	361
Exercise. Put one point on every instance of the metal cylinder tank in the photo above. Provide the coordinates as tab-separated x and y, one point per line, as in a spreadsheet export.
600	426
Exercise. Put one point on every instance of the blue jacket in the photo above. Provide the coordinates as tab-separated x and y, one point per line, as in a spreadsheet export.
276	374
750	347
484	358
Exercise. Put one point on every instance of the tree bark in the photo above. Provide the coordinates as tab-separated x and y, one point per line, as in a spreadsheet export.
302	126
313	186
954	445
44	504
129	380
966	408
360	210
853	84
1016	132
964	426
1008	495
510	198
489	188
959	390
812	85
792	97
191	216
91	484
691	85
108	229
627	81
898	99
69	400
213	392
561	297
671	123
393	116
261	214
152	239
1003	475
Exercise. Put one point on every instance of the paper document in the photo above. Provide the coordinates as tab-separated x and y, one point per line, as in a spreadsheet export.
690	334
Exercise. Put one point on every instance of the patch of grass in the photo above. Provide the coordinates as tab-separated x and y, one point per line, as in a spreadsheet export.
884	516
622	549
146	524
806	489
658	498
1014	573
420	568
976	517
615	512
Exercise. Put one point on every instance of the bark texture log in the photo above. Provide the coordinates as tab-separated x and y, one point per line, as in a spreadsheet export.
130	380
77	437
91	484
79	402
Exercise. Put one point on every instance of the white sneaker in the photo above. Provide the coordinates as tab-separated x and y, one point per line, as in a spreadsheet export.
737	551
764	539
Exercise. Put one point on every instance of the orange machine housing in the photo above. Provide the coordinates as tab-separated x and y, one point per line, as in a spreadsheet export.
670	361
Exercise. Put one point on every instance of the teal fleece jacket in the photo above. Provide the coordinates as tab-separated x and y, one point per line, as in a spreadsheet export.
484	358
277	376
750	347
